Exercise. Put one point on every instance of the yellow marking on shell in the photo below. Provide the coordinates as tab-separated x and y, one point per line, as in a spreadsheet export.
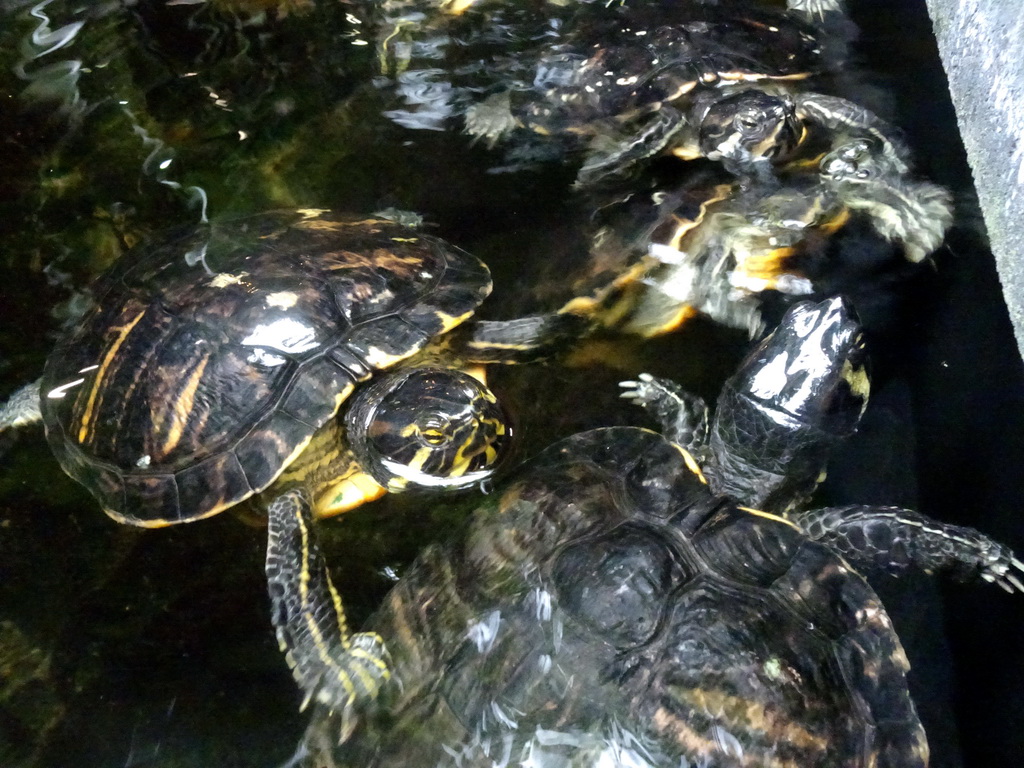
342	396
451	321
347	493
311	625
753	716
216	508
312	213
140	523
770	516
183	407
87	417
691	464
378	358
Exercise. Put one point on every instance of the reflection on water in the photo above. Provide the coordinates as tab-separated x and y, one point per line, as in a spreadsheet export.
51	81
127	648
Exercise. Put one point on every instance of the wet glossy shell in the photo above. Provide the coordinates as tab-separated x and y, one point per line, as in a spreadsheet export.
606	601
211	359
642	56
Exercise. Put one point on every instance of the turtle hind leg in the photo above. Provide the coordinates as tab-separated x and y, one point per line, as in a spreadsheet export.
338	669
22	407
892	539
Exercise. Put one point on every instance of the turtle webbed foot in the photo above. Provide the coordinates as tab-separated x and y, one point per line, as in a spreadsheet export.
491	119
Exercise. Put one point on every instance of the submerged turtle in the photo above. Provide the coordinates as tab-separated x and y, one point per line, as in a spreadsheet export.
213	365
717	81
715	246
612	607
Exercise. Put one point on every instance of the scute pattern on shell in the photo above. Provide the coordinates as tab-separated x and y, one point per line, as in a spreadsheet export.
588	607
211	358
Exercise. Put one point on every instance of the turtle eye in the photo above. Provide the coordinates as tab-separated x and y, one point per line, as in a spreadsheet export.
435	430
747	123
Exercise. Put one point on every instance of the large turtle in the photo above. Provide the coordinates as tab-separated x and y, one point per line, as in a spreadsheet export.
613	607
723	81
214	364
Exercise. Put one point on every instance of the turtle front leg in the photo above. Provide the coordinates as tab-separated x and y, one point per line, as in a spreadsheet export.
521	340
336	668
612	156
844	116
22	407
682	417
892	539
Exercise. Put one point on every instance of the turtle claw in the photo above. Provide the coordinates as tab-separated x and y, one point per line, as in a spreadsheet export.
1017	584
635	390
645	390
997	568
683	417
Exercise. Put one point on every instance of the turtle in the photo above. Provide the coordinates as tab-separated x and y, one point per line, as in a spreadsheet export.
722	81
214	366
844	220
614	605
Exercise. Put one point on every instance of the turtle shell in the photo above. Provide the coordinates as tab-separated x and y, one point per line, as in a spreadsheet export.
642	56
211	358
607	604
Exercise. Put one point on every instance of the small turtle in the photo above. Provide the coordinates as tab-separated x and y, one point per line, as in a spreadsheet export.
212	368
715	246
719	81
612	607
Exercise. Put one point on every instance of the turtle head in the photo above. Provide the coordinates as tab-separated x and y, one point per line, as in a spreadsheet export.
801	391
427	428
811	369
749	126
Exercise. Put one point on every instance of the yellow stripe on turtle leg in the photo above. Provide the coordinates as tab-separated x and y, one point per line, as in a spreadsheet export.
336	668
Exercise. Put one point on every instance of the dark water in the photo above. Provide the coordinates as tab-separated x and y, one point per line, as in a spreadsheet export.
121	647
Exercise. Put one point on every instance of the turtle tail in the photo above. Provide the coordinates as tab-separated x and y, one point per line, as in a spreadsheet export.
340	670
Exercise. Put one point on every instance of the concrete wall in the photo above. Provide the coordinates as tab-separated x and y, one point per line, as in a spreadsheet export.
982	48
